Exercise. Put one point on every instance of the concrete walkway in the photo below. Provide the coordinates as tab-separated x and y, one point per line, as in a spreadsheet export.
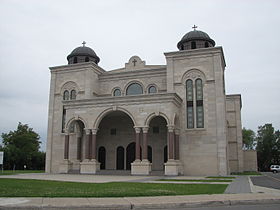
167	202
239	185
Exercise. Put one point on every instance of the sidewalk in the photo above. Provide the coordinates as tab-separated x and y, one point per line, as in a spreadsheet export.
167	202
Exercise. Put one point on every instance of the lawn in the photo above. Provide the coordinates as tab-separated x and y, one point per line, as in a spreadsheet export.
195	180
11	172
42	188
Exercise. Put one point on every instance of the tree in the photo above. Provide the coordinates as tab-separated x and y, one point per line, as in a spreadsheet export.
249	141
21	147
268	147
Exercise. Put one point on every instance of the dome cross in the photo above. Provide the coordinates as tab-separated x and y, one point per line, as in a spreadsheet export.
194	27
84	43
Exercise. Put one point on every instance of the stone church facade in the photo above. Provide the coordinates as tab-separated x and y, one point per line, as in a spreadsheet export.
175	118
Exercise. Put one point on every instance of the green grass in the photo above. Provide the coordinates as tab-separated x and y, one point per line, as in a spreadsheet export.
11	172
195	180
220	177
247	173
42	188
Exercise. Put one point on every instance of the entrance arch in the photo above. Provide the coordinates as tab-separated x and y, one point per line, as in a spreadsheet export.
115	132
157	138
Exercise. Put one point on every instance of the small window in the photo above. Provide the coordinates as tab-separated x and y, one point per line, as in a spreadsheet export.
75	60
73	95
66	95
86	59
134	89
206	44
193	45
155	129
117	92
113	131
182	47
152	89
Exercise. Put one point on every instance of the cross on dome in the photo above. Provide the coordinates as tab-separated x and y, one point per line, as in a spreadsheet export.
194	27
84	43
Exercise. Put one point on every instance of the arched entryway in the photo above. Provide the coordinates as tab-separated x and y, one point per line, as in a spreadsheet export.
157	139
115	132
74	145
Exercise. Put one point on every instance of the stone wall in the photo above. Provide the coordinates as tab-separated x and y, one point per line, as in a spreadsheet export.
250	160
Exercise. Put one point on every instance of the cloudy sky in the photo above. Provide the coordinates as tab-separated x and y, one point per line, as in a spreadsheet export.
35	35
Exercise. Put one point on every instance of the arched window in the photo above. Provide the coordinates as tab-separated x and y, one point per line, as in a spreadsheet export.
152	89
73	95
199	104
134	89
190	117
193	45
66	95
117	92
86	59
206	44
75	60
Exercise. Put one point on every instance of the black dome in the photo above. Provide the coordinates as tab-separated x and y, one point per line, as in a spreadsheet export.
82	52
195	35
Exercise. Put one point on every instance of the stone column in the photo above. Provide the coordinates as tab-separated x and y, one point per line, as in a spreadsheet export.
145	143
79	147
137	143
171	143
87	146
90	165
66	164
93	148
66	147
177	155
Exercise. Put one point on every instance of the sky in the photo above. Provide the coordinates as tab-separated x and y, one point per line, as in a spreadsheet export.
35	35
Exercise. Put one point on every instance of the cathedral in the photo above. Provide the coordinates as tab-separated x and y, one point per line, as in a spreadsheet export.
174	119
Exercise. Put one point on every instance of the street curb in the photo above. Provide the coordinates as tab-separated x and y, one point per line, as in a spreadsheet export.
134	205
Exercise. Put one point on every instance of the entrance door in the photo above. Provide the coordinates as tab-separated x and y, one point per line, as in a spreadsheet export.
120	158
130	155
102	157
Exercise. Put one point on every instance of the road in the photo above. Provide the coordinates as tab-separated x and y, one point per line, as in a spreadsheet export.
268	179
237	207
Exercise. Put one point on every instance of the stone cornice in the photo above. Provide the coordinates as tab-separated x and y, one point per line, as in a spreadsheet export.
197	52
77	67
125	100
132	74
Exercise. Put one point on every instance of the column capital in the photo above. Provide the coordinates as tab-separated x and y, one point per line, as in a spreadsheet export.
170	128
137	129
145	129
177	131
94	131
66	131
87	131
